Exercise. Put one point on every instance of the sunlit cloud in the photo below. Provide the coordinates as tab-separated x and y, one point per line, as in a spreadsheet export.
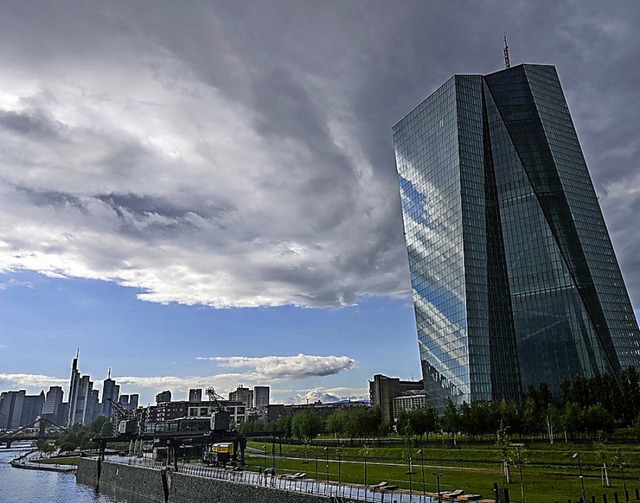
31	380
286	367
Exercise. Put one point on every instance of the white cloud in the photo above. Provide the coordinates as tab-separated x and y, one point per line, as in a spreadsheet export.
329	395
31	380
286	367
139	170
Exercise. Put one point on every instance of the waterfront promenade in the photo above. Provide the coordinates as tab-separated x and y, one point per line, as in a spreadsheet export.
330	490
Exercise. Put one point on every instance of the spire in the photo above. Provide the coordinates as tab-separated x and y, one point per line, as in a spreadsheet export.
507	63
109	377
77	353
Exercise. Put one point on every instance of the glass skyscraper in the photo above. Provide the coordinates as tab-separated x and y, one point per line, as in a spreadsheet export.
514	278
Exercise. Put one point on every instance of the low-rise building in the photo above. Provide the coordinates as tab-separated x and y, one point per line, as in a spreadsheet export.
383	389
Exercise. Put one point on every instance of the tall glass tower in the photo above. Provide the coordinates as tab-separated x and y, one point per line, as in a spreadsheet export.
514	277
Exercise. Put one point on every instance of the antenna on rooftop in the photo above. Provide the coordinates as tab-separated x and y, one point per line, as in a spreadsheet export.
507	63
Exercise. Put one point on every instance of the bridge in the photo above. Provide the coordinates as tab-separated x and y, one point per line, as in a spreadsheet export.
24	434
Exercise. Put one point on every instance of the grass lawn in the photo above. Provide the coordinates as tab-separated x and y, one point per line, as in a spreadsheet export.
551	475
60	461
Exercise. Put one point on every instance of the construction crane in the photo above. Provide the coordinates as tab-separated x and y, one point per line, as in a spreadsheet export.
219	416
213	398
126	419
122	414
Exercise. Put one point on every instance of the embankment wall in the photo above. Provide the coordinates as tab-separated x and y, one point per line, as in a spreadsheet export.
166	486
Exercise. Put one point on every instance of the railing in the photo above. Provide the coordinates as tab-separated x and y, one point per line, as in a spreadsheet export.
337	492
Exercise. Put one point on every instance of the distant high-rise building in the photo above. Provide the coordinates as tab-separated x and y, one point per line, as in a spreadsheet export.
124	401
18	409
514	278
261	395
242	394
73	390
133	401
195	395
163	396
83	402
95	407
110	391
53	405
31	408
11	403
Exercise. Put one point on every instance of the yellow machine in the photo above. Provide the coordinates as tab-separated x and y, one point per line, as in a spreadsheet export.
219	453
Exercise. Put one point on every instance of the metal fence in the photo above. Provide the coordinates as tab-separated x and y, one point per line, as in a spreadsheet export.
338	492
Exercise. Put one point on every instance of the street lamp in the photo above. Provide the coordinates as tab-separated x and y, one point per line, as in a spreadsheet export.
410	473
273	453
339	466
316	451
438	475
264	448
326	450
365	451
576	456
422	466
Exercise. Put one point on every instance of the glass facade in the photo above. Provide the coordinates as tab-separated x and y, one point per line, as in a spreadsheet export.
513	274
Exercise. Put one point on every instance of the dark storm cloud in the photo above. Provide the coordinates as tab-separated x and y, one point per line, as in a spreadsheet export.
253	140
29	124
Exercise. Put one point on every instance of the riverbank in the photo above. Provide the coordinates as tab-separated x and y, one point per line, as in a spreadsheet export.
28	461
191	485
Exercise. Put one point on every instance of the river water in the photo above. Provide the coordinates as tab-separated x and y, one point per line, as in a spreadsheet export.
36	486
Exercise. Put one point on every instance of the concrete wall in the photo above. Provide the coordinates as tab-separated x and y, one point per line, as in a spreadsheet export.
128	480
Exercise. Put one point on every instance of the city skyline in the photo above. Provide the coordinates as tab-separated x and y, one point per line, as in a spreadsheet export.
207	195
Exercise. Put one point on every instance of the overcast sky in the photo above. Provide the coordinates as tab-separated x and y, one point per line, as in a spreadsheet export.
204	193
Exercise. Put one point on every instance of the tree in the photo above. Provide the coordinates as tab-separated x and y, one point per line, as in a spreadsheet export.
551	421
424	420
403	425
451	420
45	446
532	415
306	425
335	423
630	385
503	446
605	454
598	419
573	419
362	422
519	457
79	437
510	416
619	459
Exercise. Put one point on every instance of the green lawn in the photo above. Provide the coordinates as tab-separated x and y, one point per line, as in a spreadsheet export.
60	461
551	476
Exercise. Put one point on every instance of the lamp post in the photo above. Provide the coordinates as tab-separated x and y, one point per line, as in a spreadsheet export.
365	452
264	448
316	451
576	456
438	475
410	473
273	453
339	466
326	450
422	467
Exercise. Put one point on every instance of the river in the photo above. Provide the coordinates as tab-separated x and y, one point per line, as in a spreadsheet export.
36	486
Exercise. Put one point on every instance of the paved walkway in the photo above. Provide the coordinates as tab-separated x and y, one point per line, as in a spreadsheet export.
348	492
